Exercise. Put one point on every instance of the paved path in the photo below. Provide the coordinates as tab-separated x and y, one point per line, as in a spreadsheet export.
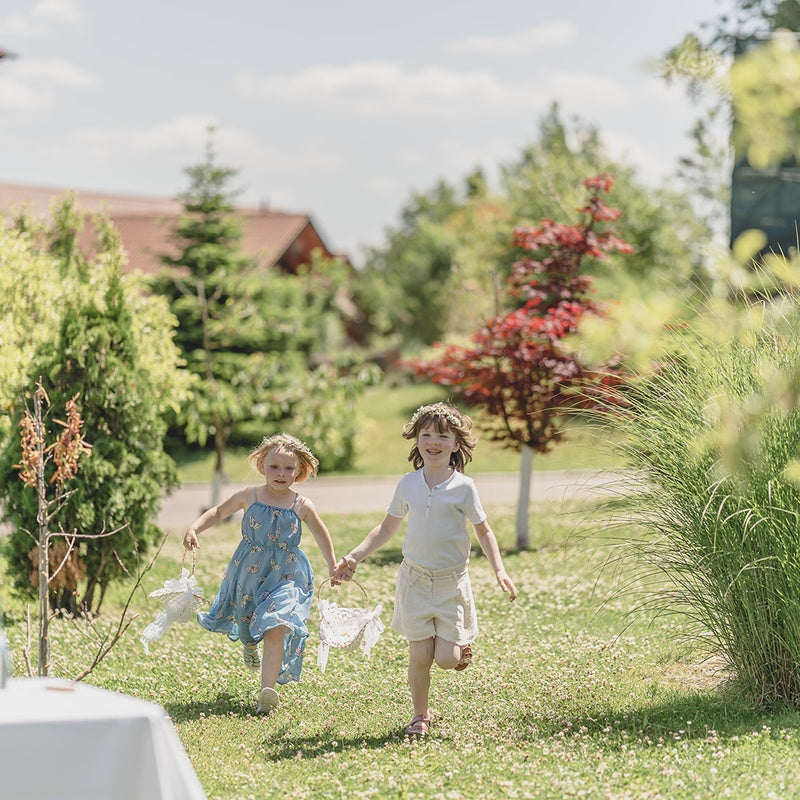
332	495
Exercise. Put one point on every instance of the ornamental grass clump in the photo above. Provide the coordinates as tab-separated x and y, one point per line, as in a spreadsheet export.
714	437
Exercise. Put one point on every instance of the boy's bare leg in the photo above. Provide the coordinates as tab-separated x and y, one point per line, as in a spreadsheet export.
420	660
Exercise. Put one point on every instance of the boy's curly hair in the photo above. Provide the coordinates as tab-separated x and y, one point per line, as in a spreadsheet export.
443	417
307	462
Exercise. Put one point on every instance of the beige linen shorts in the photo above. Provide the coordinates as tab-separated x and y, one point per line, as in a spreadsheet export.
429	603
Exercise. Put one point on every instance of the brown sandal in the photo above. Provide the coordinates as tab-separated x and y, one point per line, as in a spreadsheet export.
466	658
419	725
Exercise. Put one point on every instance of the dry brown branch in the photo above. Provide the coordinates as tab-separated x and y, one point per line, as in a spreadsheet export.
106	644
70	445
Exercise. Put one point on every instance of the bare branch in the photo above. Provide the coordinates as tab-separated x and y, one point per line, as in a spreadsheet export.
105	645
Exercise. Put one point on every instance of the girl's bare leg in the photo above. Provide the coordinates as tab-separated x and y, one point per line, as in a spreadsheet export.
273	656
446	654
420	660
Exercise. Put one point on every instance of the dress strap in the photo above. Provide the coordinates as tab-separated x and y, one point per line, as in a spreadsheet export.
255	494
296	498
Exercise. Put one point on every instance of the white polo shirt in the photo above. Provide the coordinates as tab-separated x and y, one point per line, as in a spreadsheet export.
437	535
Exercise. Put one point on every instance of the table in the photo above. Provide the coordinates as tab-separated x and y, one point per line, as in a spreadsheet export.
61	740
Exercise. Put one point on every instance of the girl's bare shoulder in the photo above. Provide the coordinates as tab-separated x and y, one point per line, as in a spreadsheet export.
244	497
303	505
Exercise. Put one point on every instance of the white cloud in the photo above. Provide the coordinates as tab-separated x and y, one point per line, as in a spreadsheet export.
382	87
182	141
188	133
185	135
29	86
585	92
18	25
58	11
55	73
91	145
42	18
551	34
16	95
389	89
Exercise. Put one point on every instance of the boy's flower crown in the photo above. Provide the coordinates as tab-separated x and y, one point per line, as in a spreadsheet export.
438	410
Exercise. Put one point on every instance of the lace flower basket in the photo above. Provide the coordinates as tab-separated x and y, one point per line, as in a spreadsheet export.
180	600
347	628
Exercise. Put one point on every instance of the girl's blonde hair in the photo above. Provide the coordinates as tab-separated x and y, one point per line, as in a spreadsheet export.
443	417
307	462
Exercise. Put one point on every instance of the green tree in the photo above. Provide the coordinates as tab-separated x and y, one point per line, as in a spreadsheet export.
96	354
402	290
254	339
201	281
32	291
42	273
659	224
441	271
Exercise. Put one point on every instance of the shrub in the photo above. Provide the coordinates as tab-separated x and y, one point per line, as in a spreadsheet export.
714	435
113	349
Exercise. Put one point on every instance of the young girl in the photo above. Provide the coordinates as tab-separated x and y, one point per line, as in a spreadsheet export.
434	608
267	589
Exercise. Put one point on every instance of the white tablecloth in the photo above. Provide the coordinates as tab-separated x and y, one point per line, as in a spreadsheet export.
71	741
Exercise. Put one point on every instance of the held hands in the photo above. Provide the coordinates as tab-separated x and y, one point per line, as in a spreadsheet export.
507	585
344	570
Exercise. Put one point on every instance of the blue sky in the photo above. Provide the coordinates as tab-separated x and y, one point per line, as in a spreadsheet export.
337	109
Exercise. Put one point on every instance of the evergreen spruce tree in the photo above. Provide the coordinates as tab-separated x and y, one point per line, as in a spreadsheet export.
120	485
258	343
201	286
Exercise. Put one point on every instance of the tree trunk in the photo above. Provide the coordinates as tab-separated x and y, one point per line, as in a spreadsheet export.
524	501
218	480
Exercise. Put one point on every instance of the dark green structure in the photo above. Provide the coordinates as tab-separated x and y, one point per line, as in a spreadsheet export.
765	199
768	200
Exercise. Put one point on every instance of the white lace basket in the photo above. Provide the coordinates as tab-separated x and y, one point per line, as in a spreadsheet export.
347	628
180	600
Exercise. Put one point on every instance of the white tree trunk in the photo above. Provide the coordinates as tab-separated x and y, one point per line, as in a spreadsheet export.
524	501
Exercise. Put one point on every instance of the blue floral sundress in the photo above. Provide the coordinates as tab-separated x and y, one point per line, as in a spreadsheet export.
268	582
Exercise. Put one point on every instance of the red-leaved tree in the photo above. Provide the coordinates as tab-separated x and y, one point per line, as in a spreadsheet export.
515	366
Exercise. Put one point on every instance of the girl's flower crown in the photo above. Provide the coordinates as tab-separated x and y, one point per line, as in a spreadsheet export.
437	410
286	440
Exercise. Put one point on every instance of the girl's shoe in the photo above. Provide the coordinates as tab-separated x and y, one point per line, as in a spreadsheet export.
250	655
466	658
419	725
268	700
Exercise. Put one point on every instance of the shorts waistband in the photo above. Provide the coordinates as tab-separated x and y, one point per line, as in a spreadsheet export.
433	574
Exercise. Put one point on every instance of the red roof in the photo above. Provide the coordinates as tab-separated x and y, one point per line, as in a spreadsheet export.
145	225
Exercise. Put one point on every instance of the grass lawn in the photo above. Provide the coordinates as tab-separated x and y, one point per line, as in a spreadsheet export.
568	696
381	450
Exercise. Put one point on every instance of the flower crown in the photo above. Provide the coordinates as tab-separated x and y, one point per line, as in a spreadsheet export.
288	441
437	410
303	448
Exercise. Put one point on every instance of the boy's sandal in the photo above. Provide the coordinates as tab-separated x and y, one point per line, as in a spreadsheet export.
419	725
466	658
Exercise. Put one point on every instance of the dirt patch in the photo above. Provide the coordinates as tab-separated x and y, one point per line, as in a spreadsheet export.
708	674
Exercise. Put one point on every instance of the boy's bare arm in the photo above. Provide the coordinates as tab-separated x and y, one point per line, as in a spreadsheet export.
488	543
375	539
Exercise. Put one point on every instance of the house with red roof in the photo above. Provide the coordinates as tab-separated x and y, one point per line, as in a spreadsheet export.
273	238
